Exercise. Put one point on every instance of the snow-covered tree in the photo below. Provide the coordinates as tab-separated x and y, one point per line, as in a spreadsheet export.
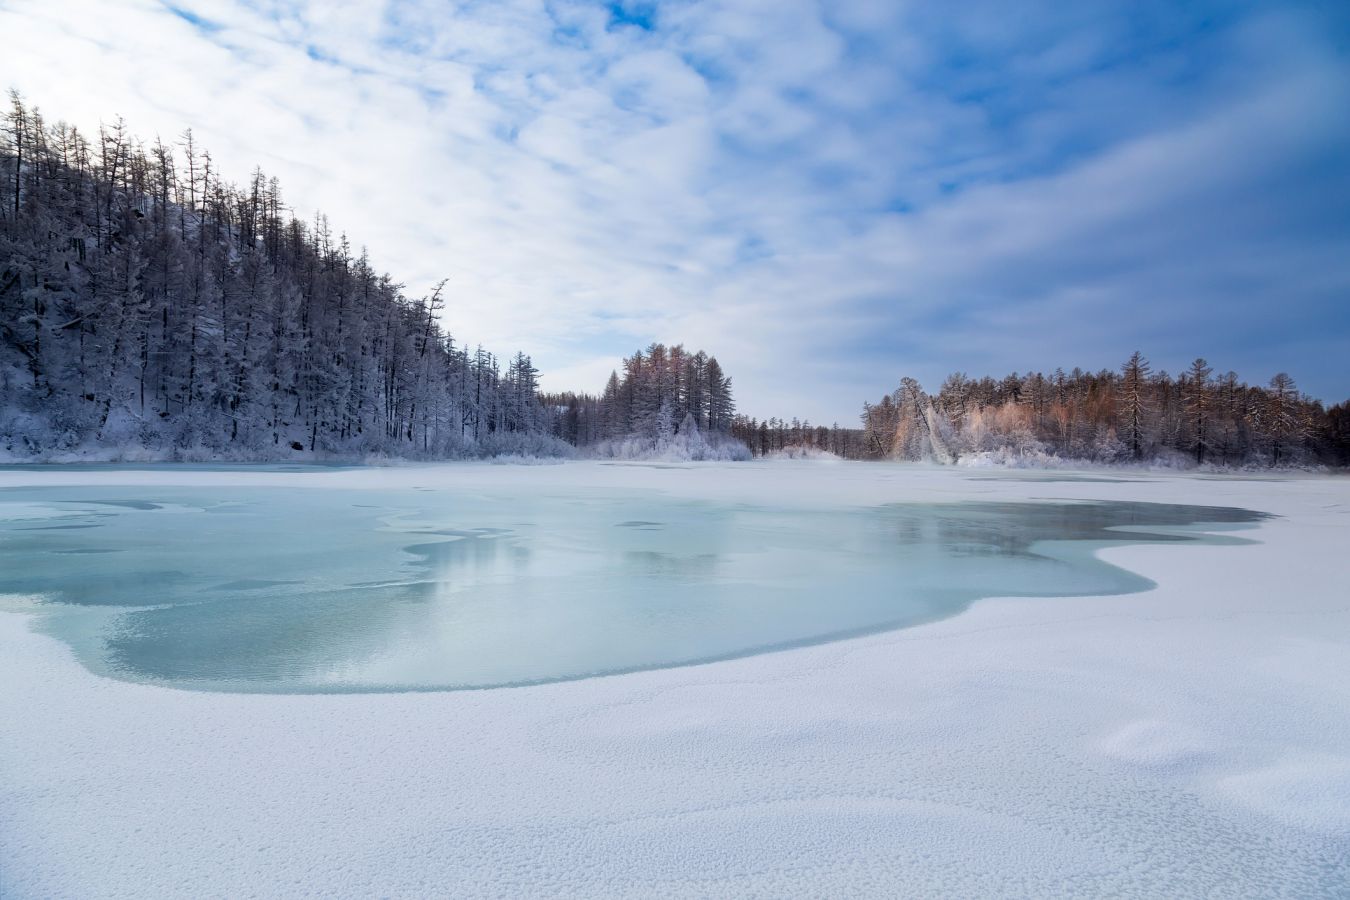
146	303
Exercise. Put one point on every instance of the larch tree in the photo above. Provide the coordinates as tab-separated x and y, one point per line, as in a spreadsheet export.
1197	397
1133	405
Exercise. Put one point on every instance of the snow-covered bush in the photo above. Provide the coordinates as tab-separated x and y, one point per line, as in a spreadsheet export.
688	444
1001	430
801	451
1107	448
519	444
1011	458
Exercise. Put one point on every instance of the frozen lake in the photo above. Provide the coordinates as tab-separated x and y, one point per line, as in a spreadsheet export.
287	588
1154	700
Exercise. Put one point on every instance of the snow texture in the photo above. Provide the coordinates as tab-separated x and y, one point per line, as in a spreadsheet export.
1193	740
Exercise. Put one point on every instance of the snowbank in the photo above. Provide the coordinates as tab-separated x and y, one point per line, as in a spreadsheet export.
1188	741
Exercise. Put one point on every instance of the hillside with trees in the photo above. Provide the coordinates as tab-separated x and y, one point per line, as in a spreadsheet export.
149	306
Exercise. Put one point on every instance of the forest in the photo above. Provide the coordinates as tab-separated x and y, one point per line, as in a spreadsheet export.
1134	414
667	401
146	303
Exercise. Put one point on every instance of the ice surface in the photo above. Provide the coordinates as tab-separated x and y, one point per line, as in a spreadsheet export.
1190	740
454	588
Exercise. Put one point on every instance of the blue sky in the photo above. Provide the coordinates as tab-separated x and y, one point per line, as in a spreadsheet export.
827	195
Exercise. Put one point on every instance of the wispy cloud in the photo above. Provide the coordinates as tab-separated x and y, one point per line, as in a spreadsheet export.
828	195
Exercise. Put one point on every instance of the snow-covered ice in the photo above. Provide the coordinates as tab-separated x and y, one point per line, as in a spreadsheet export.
1190	740
425	588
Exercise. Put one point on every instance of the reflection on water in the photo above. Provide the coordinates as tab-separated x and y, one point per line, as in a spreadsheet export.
300	589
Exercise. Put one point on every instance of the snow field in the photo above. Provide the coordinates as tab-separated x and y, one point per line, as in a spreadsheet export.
1193	740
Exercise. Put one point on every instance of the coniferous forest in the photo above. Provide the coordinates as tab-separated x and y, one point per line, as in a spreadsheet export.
1132	415
667	399
148	303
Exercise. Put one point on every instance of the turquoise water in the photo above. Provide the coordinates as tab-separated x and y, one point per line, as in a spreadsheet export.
293	590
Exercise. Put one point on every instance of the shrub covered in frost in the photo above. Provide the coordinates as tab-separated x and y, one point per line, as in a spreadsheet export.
687	444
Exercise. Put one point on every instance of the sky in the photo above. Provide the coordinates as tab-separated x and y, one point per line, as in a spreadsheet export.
825	194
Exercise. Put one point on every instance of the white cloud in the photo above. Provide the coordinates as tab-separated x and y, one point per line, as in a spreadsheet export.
731	179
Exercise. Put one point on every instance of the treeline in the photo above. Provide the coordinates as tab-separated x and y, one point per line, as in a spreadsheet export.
667	401
146	302
1109	416
774	436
